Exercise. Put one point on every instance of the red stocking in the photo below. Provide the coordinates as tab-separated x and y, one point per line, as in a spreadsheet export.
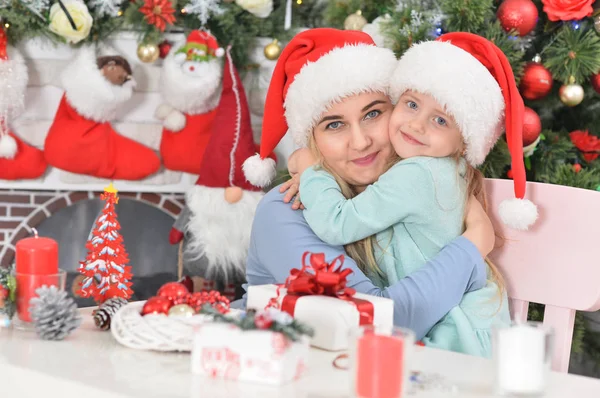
28	162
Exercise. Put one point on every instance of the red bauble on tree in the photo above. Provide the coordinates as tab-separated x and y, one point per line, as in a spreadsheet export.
518	15
105	268
532	126
164	48
536	82
595	80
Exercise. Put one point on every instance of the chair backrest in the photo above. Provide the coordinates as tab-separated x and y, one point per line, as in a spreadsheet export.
554	263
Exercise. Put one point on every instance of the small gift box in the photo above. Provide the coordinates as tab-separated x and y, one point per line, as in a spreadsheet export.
252	350
317	295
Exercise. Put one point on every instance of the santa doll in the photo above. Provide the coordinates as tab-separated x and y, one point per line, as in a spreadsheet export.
81	139
191	87
217	220
18	160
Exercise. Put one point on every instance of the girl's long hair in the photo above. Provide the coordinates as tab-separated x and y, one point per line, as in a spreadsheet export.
476	186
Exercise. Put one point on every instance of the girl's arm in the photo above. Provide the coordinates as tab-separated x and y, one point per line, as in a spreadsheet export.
280	236
402	194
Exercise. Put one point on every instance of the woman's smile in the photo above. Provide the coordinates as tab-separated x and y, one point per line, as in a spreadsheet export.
366	160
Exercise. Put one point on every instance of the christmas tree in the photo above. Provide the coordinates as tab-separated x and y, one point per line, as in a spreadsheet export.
105	268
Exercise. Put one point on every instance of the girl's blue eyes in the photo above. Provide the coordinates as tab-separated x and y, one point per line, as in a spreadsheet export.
439	120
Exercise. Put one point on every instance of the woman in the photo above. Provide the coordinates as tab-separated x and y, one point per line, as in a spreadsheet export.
326	76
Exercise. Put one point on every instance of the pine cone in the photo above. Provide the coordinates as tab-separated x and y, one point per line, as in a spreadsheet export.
54	314
104	313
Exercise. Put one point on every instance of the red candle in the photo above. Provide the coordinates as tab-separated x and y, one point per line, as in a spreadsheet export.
380	366
35	259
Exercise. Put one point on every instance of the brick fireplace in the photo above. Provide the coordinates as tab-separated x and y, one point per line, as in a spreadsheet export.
22	210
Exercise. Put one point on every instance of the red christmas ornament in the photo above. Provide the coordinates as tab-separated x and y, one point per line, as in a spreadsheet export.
519	15
576	167
164	48
173	291
156	305
536	82
509	174
596	82
214	298
532	126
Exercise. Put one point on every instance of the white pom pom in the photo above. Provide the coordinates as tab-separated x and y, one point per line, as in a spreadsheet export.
518	214
8	146
219	52
175	121
259	172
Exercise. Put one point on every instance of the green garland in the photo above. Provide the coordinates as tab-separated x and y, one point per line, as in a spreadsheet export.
253	320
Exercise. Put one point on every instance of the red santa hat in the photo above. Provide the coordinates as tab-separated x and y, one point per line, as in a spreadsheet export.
473	80
316	68
13	81
231	140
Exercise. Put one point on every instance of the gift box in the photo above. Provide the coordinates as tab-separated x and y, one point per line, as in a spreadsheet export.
263	356
317	295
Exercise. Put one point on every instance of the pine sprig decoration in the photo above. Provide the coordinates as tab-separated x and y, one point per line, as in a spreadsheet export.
103	315
573	53
467	15
53	313
271	319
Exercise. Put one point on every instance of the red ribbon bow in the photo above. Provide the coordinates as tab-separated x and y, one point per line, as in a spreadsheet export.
327	279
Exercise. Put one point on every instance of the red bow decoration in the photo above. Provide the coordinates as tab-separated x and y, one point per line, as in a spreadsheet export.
327	279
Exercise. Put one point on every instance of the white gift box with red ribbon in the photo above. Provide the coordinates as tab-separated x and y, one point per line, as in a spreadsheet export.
330	317
222	350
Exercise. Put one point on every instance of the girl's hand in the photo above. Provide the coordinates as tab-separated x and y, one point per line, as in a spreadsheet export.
479	229
292	186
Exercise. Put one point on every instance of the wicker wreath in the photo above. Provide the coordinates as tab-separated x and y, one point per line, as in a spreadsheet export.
156	332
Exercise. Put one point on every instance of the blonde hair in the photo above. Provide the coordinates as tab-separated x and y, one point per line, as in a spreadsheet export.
476	187
361	251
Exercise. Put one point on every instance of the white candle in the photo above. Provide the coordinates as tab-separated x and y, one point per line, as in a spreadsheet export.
521	359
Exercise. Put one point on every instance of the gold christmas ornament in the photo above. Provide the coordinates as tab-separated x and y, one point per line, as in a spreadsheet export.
597	22
181	310
272	50
355	21
571	94
148	52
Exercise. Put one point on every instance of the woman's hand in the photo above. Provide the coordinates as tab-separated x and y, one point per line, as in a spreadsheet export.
479	229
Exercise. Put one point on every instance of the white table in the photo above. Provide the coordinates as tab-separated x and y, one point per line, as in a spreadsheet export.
91	364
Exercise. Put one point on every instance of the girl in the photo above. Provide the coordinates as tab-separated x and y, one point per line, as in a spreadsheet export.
448	116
